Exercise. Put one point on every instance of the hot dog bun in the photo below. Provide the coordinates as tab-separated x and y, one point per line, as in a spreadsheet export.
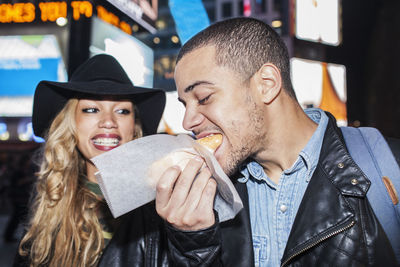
180	158
212	142
176	158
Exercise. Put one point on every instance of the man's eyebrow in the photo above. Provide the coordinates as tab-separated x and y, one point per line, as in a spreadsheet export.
192	86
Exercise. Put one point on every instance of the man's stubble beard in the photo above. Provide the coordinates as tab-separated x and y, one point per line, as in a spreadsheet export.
249	144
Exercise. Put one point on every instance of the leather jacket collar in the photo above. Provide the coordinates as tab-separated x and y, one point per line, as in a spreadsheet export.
334	212
323	212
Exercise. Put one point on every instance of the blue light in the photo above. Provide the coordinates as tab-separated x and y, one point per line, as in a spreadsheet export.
3	127
38	139
190	17
35	138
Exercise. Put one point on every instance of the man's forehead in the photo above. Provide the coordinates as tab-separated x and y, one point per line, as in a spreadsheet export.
195	63
203	51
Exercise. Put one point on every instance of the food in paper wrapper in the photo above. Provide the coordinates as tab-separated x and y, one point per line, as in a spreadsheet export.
132	162
181	158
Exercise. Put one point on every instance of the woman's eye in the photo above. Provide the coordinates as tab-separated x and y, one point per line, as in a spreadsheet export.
90	110
204	100
124	111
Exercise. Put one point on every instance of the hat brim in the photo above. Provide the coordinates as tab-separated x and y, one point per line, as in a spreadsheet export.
50	97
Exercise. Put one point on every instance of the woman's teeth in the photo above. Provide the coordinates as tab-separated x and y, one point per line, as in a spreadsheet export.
106	141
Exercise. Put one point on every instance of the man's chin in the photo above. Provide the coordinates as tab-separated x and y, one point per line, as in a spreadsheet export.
229	166
229	170
223	166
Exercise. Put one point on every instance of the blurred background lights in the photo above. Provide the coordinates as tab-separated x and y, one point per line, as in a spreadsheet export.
156	40
25	132
38	139
23	137
135	27
61	21
161	24
276	23
175	39
318	21
3	127
4	134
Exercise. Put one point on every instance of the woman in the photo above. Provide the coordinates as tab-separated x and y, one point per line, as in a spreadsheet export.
70	225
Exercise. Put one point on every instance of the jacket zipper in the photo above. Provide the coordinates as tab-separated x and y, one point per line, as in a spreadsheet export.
319	241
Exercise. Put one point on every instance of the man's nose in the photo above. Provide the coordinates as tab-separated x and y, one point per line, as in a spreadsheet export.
192	119
107	121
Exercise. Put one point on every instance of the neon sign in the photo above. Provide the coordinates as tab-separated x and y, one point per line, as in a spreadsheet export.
81	8
109	17
18	12
51	11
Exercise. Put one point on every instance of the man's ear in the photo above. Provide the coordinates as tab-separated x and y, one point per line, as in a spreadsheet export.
269	82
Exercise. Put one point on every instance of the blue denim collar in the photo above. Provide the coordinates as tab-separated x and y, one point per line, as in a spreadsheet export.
309	155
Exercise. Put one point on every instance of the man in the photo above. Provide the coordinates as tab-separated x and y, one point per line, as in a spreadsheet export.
305	199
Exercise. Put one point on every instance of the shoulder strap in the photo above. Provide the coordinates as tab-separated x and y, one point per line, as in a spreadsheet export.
372	154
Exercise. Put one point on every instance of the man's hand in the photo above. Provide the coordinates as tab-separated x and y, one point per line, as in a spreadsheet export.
185	198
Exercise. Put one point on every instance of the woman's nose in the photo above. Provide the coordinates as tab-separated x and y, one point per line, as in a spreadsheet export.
107	121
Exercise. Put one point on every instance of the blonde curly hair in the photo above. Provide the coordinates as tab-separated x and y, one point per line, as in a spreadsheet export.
63	229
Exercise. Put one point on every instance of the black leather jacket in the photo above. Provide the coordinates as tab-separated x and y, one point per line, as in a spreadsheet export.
334	226
139	241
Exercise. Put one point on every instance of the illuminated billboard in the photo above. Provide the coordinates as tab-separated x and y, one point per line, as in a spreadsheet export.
24	61
144	12
135	57
58	12
44	11
320	85
318	21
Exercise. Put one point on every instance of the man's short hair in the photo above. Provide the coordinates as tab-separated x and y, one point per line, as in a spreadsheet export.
244	45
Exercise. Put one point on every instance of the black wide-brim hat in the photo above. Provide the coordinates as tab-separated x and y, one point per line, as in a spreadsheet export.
98	77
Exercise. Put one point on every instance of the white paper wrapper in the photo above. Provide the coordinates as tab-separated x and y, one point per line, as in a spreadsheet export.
127	180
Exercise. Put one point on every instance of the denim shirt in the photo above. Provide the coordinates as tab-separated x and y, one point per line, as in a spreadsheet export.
273	207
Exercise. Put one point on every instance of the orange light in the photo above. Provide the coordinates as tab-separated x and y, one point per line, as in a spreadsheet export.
18	12
112	19
108	17
51	11
125	27
81	8
330	100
